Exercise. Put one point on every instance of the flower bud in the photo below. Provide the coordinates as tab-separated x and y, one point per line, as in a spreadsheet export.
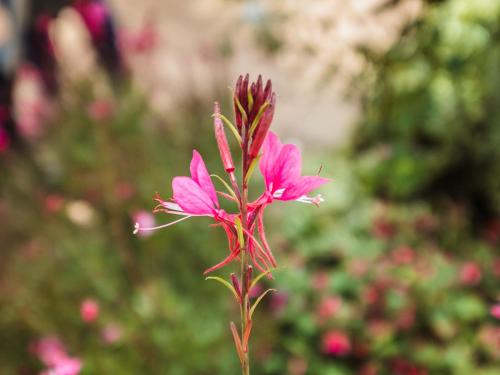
262	128
220	136
236	284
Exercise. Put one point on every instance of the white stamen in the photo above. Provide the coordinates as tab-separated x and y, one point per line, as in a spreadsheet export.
137	227
311	200
278	193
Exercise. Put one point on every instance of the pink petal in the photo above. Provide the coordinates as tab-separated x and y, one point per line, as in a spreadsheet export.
302	186
270	152
191	197
200	175
287	167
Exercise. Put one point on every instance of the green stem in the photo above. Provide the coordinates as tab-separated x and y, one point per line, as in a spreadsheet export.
245	365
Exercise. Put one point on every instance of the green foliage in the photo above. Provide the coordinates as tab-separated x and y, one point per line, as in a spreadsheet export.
431	122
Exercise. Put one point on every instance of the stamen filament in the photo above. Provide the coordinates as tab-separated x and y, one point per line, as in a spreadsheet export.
137	227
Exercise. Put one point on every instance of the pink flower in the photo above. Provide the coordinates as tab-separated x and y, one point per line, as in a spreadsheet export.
470	274
67	366
89	310
54	202
495	311
320	280
4	140
192	196
281	167
403	255
329	307
94	15
145	220
101	109
111	333
49	350
336	343
53	354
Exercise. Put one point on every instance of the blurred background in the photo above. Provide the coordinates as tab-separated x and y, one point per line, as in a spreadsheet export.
101	103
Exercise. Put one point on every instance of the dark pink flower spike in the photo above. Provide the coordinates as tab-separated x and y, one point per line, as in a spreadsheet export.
281	167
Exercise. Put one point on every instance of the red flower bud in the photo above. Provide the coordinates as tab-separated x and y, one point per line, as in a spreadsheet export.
236	284
220	136
262	128
248	280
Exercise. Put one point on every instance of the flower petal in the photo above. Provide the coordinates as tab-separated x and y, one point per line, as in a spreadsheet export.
200	175
270	152
191	197
287	167
302	186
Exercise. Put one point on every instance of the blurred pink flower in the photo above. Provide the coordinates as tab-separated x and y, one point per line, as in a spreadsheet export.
496	267
297	366
101	109
111	333
255	291
336	343
124	190
4	140
94	15
67	366
320	280
329	307
470	274
49	350
492	231
383	228
53	354
145	220
54	203
406	318
142	41
495	311
401	366
278	301
403	255
89	310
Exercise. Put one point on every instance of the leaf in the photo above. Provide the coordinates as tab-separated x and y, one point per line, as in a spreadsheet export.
237	342
225	283
226	185
240	107
251	168
239	228
260	299
258	117
231	127
256	280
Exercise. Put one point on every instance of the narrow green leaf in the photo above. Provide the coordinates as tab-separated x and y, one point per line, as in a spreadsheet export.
240	107
223	282
239	228
231	127
226	185
251	168
260	276
260	299
258	117
250	99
